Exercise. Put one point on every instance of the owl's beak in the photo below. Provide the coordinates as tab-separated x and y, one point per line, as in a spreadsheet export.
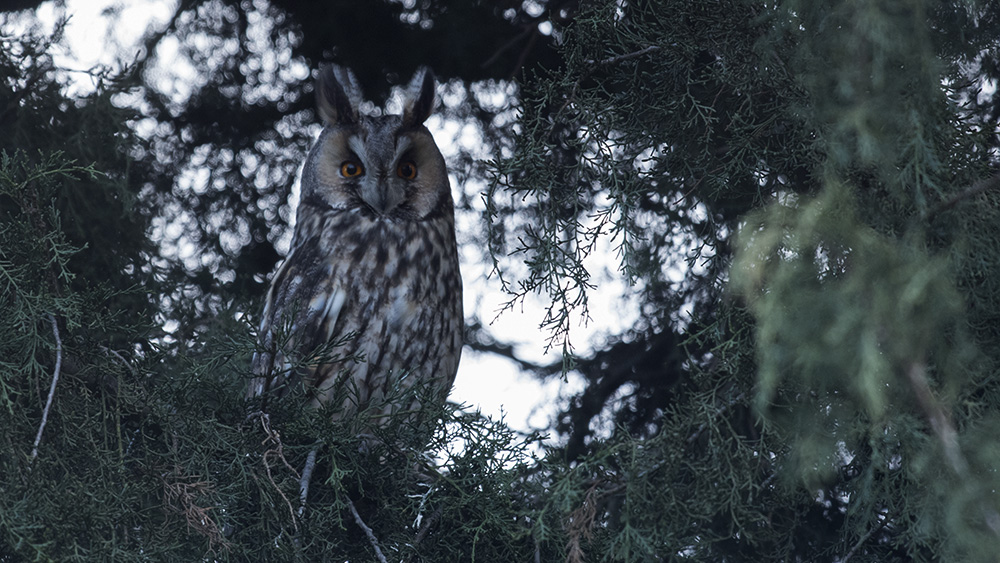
381	196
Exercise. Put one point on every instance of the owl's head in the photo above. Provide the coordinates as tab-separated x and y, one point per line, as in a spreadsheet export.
387	167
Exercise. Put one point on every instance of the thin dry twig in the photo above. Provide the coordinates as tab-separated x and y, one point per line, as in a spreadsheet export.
368	531
120	358
626	56
306	477
527	29
278	450
52	388
580	524
275	437
888	518
180	496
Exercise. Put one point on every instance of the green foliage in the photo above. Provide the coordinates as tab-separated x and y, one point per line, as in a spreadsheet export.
804	194
828	171
124	442
661	113
46	328
33	258
803	262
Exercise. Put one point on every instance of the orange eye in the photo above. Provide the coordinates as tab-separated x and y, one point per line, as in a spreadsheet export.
407	170
351	169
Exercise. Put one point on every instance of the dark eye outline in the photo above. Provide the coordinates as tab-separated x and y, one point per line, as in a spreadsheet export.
412	166
351	169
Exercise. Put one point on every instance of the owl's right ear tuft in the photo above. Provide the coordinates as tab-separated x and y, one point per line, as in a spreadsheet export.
337	95
418	99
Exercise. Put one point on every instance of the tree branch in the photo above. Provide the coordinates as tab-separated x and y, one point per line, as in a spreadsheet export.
52	388
424	529
368	531
304	481
626	56
857	545
479	340
979	187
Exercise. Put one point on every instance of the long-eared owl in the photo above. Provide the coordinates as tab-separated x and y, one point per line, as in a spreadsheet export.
372	278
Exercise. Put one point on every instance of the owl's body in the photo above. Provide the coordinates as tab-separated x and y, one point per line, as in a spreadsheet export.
372	279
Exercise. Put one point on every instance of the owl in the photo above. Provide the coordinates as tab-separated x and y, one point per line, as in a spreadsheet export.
368	302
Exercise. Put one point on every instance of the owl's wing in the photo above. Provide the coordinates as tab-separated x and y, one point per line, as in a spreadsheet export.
299	319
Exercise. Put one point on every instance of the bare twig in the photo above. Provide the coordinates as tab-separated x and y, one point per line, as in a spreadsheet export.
888	518
304	481
368	531
477	339
278	450
523	56
275	437
529	28
625	57
52	388
120	358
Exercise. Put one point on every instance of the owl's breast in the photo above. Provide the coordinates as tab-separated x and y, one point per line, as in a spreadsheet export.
402	302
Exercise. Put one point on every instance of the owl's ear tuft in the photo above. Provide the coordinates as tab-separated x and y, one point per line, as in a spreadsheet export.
337	95
418	100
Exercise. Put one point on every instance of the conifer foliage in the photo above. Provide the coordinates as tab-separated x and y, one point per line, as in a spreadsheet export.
803	195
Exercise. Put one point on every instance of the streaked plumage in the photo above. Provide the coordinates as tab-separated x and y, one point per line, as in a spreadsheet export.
373	261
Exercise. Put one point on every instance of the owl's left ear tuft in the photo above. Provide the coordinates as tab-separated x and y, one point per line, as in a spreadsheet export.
418	100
